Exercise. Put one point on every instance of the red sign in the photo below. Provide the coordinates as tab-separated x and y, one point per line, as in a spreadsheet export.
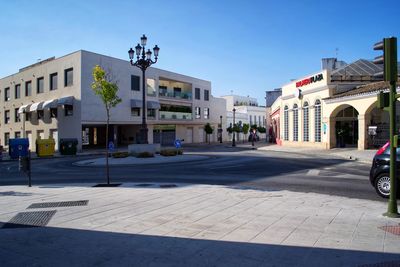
310	80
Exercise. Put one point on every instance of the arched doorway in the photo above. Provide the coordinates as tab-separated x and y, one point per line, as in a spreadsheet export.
378	127
346	127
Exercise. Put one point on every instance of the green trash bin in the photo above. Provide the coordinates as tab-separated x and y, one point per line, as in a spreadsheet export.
68	146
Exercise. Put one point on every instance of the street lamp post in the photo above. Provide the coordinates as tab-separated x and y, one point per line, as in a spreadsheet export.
220	132
233	139
143	61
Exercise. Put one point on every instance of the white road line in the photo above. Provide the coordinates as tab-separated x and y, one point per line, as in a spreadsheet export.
313	172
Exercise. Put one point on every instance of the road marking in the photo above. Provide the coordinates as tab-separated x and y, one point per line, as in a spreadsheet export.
313	172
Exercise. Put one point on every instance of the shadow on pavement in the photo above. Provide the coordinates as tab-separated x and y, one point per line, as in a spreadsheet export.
45	246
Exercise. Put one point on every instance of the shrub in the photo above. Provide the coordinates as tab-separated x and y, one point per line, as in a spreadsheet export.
120	154
145	155
171	152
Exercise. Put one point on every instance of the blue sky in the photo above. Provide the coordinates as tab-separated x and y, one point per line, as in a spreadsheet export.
246	47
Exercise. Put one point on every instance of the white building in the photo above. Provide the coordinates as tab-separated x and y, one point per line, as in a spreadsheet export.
53	98
247	111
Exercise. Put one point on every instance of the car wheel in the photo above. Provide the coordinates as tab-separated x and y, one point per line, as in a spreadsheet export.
382	185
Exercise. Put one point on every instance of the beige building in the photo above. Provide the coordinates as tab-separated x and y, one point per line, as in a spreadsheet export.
334	107
53	98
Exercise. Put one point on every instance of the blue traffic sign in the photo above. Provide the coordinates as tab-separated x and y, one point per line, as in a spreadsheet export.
111	146
178	143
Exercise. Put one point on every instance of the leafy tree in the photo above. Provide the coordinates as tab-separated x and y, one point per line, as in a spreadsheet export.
107	90
246	128
261	129
209	130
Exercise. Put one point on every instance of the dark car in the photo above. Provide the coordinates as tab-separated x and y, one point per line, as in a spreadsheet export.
379	173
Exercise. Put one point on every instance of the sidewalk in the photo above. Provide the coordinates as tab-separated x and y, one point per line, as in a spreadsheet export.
192	225
364	156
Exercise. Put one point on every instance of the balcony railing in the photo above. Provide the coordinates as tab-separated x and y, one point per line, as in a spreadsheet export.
169	115
178	95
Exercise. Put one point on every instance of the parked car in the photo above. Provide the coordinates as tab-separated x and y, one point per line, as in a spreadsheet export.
379	173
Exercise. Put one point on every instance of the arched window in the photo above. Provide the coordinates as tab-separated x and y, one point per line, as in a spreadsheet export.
295	123
286	123
306	133
317	121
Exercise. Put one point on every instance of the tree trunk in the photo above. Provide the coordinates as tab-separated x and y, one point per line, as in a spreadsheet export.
107	168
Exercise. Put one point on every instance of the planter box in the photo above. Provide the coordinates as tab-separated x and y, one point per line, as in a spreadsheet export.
136	149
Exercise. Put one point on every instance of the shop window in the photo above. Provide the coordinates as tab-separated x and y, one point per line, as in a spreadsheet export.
17	92
197	113
53	112
28	116
135	112
317	121
69	110
286	123
306	133
295	123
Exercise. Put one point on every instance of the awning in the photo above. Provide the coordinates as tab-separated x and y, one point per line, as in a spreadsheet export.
135	103
35	106
68	100
153	105
24	108
49	104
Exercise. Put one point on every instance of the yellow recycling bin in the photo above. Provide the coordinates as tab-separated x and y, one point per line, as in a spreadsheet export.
45	147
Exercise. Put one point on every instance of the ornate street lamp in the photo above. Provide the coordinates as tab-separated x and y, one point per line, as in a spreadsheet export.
143	61
220	130
233	139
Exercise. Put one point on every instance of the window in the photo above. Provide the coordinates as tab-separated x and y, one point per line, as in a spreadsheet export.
135	83
53	113
6	139
40	85
197	93
6	116
69	77
40	114
251	121
206	95
28	116
295	123
197	114
317	121
7	94
69	110
263	121
135	112
286	123
53	81
28	88
206	113
162	90
151	113
305	123
177	91
17	117
17	134
17	91
151	87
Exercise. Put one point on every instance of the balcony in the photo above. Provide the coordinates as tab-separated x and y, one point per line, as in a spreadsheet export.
170	115
176	95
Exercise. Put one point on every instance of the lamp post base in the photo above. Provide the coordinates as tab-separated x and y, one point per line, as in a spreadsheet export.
143	136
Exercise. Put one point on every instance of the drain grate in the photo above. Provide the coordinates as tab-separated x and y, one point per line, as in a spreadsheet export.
167	185
391	229
58	204
30	219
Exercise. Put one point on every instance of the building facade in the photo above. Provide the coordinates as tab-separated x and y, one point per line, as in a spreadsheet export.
53	98
334	107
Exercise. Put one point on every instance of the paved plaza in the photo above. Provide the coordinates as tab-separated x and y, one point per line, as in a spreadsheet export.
152	224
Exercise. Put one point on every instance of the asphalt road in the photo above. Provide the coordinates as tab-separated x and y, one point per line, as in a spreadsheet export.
245	168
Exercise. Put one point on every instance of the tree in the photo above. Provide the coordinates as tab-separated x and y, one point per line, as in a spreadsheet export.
246	128
209	130
106	89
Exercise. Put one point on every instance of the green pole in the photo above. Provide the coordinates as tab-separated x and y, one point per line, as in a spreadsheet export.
390	69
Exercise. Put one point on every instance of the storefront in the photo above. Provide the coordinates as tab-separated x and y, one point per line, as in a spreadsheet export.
334	108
